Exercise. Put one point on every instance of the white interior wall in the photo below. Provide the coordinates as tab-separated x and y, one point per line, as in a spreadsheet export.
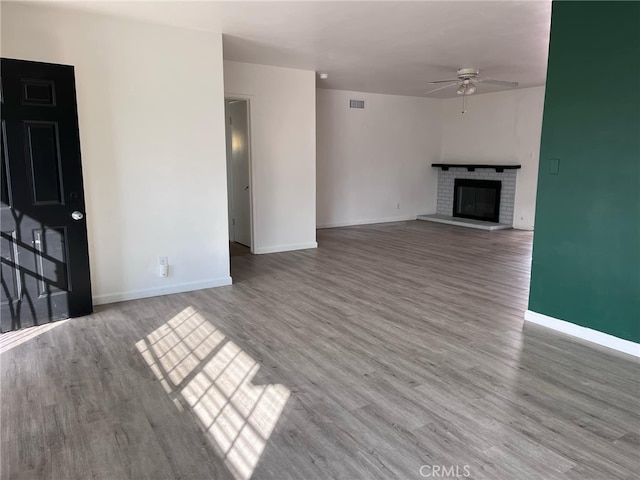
282	110
148	93
151	113
372	160
501	127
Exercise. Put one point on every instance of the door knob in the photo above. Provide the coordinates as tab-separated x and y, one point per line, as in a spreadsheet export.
77	215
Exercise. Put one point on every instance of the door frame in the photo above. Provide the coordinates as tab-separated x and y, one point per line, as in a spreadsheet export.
247	99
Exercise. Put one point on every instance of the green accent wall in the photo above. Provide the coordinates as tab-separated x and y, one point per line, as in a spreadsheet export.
586	247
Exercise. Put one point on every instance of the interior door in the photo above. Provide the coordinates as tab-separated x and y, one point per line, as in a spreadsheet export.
45	258
238	118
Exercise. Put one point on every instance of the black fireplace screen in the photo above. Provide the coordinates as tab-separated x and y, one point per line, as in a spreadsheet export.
477	199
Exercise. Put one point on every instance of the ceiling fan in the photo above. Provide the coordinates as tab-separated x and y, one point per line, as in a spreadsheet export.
468	81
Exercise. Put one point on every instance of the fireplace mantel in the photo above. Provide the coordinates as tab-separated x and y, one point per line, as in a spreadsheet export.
472	166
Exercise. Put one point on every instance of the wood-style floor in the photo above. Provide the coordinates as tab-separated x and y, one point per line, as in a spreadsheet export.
237	249
391	351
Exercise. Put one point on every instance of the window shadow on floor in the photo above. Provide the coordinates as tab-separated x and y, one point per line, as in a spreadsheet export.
211	376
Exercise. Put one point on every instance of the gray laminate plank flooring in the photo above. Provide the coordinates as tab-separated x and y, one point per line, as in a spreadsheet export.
389	348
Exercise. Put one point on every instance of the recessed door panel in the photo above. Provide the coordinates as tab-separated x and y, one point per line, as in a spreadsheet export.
43	162
5	170
10	278
51	260
38	92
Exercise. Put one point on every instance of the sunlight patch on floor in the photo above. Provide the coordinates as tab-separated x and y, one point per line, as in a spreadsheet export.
213	375
10	340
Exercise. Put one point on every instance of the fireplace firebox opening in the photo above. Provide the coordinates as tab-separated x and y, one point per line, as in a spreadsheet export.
477	199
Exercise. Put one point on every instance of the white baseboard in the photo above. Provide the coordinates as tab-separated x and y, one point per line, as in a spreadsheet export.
518	226
584	333
285	248
154	292
371	221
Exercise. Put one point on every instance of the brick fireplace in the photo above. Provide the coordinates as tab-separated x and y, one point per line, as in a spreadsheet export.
505	174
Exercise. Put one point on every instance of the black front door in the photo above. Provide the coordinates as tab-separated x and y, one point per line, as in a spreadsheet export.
45	259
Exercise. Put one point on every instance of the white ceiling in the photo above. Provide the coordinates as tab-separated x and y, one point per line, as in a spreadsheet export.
381	47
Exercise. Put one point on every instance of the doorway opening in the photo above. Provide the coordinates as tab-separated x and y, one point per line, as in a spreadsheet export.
237	125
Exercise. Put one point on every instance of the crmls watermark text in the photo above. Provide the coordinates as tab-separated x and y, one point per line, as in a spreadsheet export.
445	471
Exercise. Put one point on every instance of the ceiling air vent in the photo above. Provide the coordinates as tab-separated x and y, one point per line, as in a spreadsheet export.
356	103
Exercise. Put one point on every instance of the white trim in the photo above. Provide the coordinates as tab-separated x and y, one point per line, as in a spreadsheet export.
286	248
584	333
402	218
154	292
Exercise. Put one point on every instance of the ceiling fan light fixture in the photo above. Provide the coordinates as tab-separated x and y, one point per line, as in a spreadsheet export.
467	82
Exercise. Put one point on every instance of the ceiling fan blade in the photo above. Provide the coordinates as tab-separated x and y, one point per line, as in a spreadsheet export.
441	88
491	81
444	81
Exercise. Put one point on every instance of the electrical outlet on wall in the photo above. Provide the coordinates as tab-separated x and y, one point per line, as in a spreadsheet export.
163	266
398	206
